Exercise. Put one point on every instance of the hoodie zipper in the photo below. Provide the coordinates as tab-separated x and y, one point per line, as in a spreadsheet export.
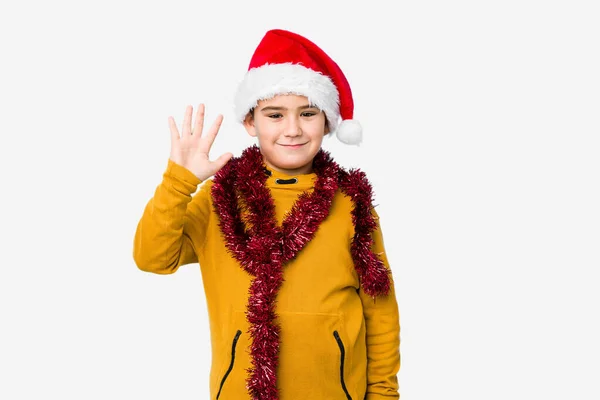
235	339
342	355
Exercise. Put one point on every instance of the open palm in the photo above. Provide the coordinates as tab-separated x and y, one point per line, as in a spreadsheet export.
191	149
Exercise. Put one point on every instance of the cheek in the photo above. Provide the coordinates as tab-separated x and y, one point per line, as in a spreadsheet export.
267	131
316	128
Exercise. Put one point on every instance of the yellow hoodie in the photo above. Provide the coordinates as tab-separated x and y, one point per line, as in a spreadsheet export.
336	341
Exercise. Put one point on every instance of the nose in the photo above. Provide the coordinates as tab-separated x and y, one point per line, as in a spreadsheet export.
293	128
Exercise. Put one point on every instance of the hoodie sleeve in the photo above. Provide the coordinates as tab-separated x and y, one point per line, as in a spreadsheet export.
383	334
172	223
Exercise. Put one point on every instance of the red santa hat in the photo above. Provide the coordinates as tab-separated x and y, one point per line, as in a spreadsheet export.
287	63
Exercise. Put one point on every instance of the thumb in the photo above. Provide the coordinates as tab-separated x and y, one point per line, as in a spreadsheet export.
223	159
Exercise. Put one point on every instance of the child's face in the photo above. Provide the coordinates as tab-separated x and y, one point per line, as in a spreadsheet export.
289	132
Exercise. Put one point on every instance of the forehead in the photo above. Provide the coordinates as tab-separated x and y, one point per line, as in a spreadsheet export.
284	100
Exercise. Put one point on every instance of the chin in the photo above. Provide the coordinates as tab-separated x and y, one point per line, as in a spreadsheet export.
291	165
288	164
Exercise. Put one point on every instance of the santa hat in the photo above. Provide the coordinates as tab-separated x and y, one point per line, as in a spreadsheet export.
287	63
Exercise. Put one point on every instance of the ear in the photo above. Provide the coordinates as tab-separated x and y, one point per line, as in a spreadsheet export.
249	125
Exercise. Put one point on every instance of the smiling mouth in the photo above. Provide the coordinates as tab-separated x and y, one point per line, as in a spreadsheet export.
293	145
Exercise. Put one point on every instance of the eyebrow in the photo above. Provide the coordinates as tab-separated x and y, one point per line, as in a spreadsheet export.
274	108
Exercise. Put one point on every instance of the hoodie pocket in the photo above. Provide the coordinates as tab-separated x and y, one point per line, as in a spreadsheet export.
232	361
312	365
340	343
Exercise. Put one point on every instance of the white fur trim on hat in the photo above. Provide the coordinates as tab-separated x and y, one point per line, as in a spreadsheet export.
269	80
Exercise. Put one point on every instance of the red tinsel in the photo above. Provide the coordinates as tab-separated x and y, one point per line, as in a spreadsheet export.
262	248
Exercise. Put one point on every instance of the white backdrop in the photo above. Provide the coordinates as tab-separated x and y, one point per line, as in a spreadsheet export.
481	124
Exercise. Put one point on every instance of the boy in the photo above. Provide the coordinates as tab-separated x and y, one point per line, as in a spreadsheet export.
300	295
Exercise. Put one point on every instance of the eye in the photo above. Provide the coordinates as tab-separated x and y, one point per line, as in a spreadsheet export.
274	116
308	113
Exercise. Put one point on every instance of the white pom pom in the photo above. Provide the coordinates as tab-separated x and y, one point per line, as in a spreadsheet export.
349	132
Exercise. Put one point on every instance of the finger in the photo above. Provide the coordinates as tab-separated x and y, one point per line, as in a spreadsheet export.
199	123
186	128
212	133
173	129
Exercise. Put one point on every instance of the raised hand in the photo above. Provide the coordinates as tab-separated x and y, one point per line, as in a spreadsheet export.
192	149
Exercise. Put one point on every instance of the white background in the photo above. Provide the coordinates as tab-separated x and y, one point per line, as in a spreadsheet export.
481	123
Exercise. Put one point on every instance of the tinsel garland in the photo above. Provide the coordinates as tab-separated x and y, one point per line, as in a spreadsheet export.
262	248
